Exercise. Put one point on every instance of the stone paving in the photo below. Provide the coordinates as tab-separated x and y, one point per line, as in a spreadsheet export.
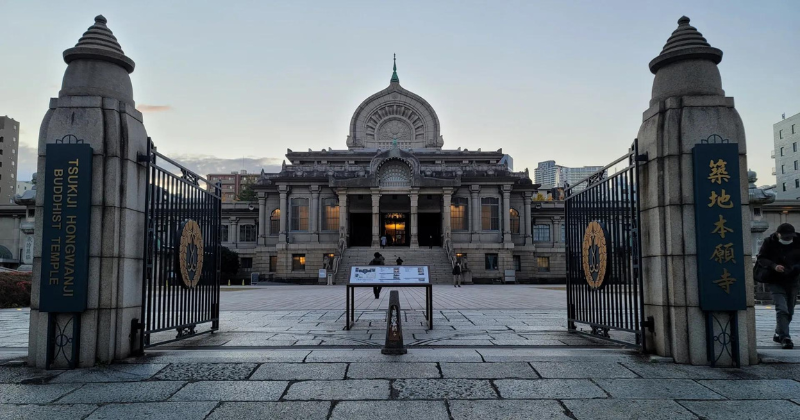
427	383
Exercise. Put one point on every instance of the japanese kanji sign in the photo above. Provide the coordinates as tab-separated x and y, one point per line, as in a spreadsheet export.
718	223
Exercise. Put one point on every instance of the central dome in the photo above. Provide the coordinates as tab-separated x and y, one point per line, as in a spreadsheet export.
394	116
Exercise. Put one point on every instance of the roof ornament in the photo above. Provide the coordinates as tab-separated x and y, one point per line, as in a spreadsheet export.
685	43
395	79
99	43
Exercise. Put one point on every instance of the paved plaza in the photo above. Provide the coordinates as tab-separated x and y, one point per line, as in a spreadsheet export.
499	352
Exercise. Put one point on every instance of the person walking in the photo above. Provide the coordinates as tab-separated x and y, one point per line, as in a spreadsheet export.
383	241
779	256
457	275
377	260
399	261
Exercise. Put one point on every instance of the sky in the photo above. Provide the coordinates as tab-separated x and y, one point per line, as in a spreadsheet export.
231	85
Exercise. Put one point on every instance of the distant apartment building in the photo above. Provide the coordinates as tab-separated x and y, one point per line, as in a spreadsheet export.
786	134
23	186
233	183
550	175
9	144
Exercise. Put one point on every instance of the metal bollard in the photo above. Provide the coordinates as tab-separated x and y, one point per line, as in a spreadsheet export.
394	329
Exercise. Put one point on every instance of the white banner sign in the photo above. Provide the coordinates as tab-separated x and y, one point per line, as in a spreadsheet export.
391	274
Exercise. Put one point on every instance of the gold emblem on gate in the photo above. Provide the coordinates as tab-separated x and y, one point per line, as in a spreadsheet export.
595	254
191	253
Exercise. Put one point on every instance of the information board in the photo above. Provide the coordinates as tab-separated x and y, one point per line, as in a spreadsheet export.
389	274
65	228
718	226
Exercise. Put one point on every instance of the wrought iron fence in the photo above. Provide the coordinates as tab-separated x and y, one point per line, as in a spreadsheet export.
604	276
182	252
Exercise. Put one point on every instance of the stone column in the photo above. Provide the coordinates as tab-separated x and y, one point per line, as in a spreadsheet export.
314	213
262	217
688	105
527	223
506	214
343	228
283	190
414	196
447	196
233	231
96	105
376	218
475	209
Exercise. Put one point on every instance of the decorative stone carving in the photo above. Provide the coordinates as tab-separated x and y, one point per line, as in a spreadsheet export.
395	173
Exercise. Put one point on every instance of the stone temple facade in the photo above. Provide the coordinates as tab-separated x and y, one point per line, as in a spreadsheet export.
330	208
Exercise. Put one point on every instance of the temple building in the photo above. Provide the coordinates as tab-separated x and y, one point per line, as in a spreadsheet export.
330	208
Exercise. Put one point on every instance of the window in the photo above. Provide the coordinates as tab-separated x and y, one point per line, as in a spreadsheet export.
780	135
491	261
781	149
300	214
795	165
273	263
247	263
517	263
490	213
1	139
541	233
797	183
783	169
792	132
327	261
330	220
275	222
247	233
298	262
794	147
458	214
462	258
543	264
514	216
784	186
224	233
757	211
31	212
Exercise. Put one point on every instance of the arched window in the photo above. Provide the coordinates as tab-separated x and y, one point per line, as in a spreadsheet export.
395	174
300	214
275	222
514	218
458	214
330	219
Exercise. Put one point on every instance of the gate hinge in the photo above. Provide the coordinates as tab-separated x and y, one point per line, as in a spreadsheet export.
642	157
650	324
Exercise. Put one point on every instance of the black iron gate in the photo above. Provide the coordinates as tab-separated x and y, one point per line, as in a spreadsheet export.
604	276
182	253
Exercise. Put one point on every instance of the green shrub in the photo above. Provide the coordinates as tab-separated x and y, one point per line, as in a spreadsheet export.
15	289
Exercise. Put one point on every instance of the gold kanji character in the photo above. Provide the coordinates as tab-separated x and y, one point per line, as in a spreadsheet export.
719	172
726	281
722	200
724	253
721	228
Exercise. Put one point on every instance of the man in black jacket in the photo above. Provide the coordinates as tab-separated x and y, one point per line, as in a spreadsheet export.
378	260
780	253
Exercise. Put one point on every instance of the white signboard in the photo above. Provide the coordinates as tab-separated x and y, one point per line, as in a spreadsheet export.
391	274
322	273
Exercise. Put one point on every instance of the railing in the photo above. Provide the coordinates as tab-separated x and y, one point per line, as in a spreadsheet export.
337	258
451	254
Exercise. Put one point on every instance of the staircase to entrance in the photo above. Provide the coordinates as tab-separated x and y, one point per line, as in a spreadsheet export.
441	272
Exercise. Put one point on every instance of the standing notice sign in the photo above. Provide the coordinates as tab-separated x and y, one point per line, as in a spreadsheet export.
381	274
65	228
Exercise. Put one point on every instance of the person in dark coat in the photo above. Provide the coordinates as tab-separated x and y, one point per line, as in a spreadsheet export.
457	275
399	261
780	254
378	260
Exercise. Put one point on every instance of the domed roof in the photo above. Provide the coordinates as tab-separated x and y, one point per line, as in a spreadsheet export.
394	117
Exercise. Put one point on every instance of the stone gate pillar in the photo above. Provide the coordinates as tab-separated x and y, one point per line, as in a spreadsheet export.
95	106
688	106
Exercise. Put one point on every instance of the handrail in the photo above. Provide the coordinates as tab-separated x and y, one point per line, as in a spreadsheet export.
337	258
451	255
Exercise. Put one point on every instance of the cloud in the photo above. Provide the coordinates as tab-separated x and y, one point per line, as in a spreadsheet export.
143	108
204	164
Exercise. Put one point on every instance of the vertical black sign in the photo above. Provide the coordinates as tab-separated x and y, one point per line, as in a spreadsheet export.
65	228
718	224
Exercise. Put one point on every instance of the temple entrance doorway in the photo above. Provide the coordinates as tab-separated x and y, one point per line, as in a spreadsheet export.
430	229
360	229
396	228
